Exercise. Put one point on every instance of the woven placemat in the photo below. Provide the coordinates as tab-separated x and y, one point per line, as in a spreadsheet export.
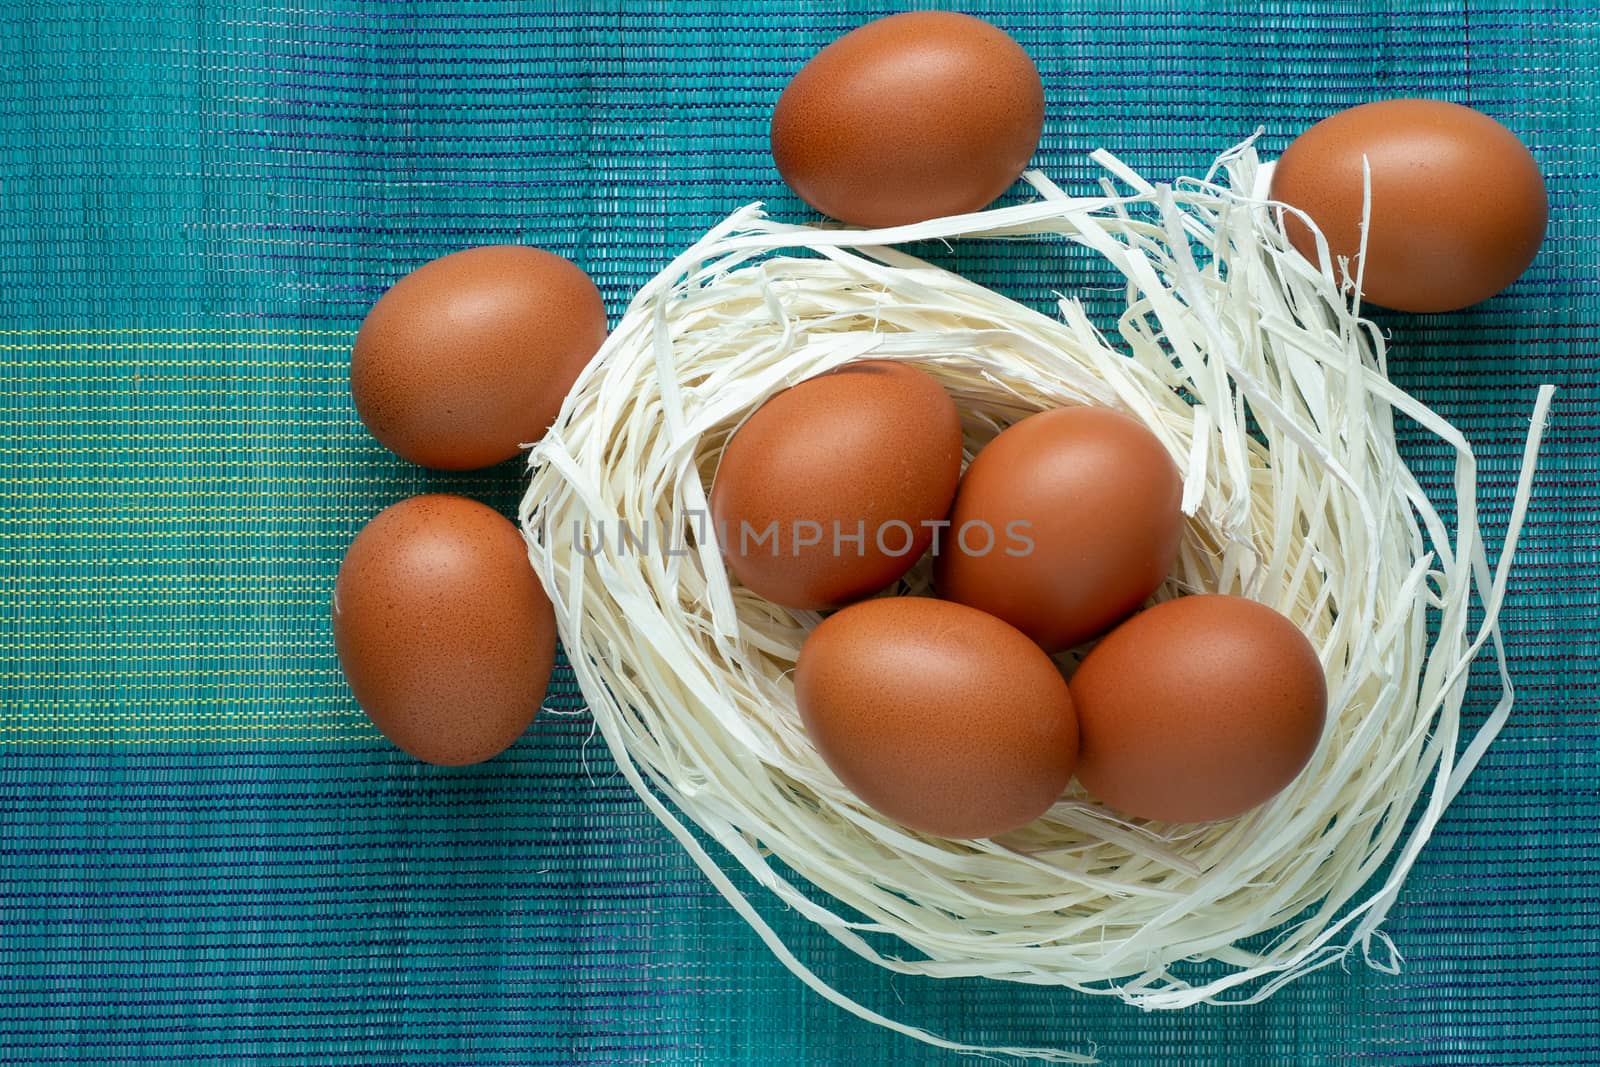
206	853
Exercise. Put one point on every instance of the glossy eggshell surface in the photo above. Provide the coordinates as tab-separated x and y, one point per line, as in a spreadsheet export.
442	628
470	356
857	451
1199	708
910	117
1458	204
1100	497
937	715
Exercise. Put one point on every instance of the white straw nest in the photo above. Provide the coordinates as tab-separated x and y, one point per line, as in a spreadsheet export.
1267	388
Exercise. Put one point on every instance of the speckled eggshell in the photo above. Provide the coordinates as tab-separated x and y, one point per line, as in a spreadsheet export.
470	356
1098	499
907	118
442	628
855	451
1458	203
937	715
1200	708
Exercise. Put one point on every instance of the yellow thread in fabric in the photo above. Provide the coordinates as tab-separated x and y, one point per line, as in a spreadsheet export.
177	500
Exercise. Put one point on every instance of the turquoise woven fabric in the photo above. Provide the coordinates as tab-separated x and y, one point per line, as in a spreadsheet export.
205	853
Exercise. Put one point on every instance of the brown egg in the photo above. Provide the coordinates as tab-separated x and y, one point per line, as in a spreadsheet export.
442	628
1458	204
469	357
937	715
911	117
1064	524
833	489
1199	708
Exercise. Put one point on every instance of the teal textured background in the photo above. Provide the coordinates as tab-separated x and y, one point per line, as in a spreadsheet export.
206	855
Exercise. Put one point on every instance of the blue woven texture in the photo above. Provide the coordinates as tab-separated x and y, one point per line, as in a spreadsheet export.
205	853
